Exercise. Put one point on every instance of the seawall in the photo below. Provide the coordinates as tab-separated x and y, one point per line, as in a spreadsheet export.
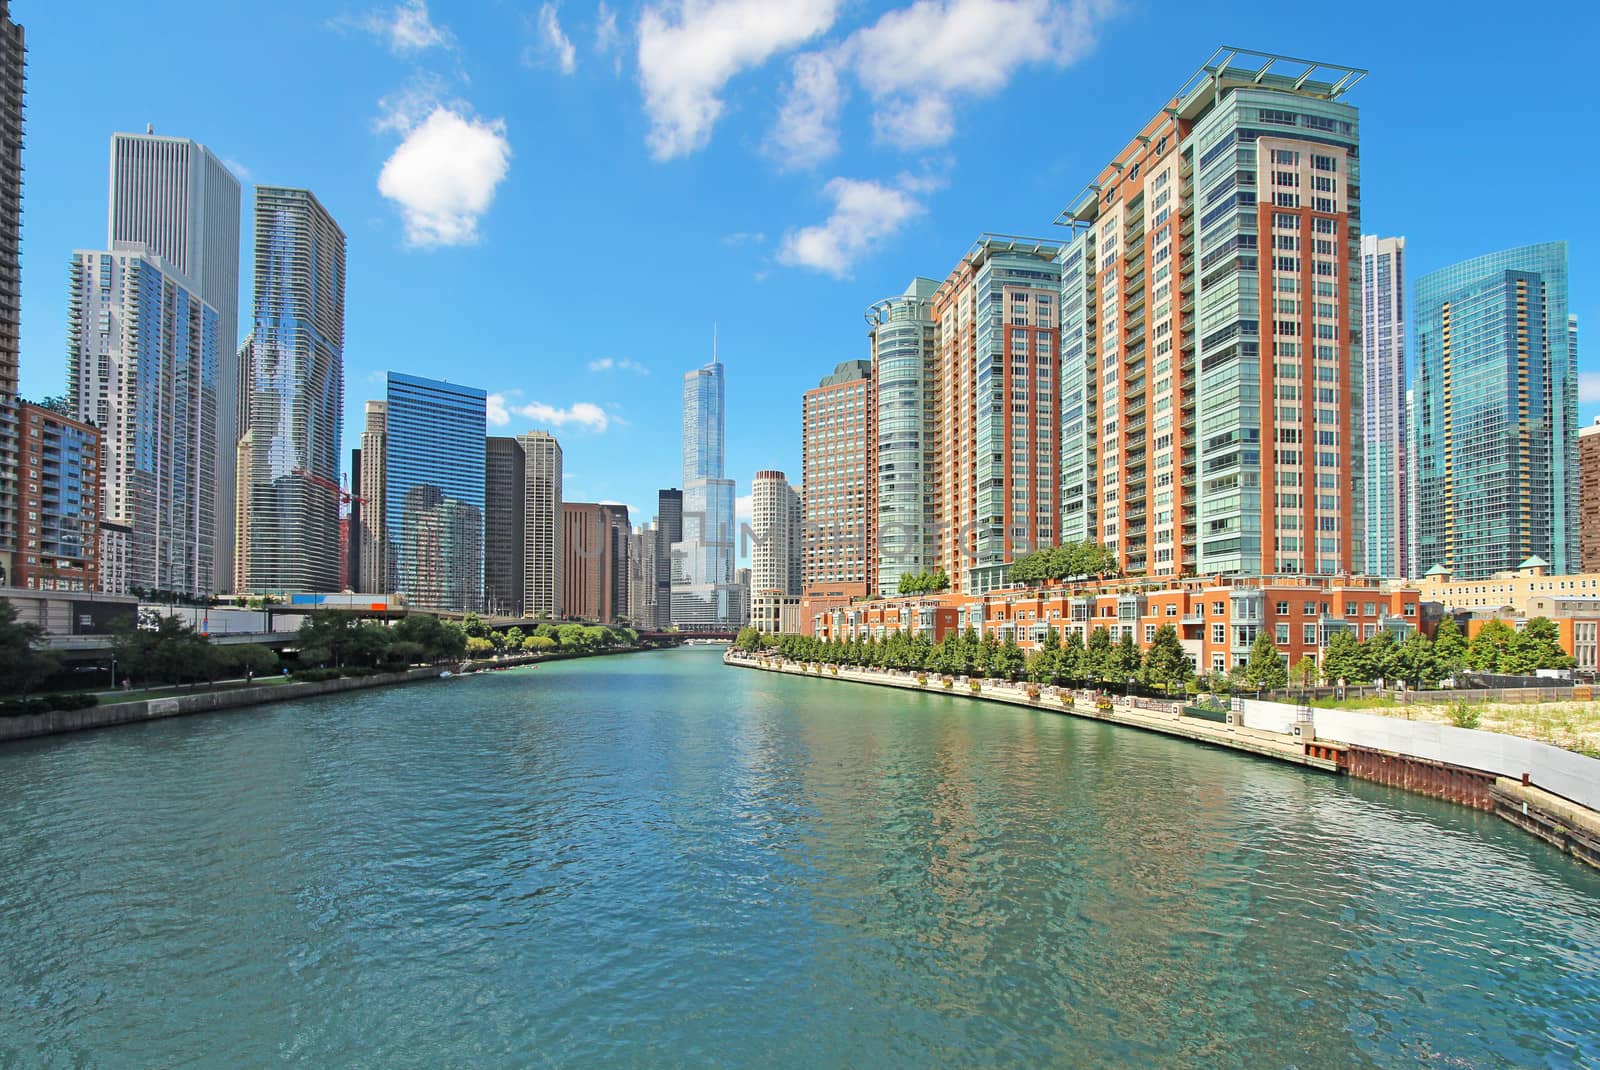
1547	795
115	713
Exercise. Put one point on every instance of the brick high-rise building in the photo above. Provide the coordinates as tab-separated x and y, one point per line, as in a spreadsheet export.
996	440
595	556
58	541
13	55
1211	381
1589	495
839	436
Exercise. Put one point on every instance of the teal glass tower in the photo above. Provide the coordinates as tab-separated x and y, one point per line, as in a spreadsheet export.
1495	415
434	491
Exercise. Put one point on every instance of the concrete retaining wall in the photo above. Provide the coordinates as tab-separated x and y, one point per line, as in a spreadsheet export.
1561	772
46	724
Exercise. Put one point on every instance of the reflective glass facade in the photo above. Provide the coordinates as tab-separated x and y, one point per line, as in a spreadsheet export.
296	383
702	562
1383	343
1495	414
903	335
434	491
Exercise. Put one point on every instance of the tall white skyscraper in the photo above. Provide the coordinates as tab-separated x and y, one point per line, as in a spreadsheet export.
542	562
704	594
174	198
142	366
777	528
1383	354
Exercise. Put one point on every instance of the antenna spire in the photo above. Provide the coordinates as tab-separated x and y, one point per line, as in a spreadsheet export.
713	341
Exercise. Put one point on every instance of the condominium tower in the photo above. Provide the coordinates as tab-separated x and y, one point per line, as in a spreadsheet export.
777	523
1383	350
504	487
175	199
838	431
375	554
669	530
642	545
296	383
542	560
142	357
1210	331
703	591
433	496
1589	496
595	561
13	55
1495	414
997	448
904	337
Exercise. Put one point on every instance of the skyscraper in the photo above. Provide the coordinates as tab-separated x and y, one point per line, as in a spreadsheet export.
142	366
59	544
642	577
13	54
777	525
296	383
12	59
1383	351
1589	496
840	480
997	440
1211	376
703	592
433	491
669	530
175	199
505	485
904	341
595	566
543	520
1495	414
375	553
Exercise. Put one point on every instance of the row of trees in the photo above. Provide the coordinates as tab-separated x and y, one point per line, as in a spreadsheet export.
927	582
483	641
1163	668
1069	560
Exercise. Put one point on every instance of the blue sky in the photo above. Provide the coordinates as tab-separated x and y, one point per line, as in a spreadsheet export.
557	201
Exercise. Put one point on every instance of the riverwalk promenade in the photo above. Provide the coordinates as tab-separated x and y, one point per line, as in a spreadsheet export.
1567	820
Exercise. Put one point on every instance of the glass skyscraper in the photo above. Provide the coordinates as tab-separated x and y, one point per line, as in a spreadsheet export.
703	591
1495	414
904	344
296	384
433	493
1383	348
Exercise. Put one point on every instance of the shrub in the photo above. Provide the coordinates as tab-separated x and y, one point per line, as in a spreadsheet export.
1066	700
1464	715
1033	694
922	679
1102	704
947	682
974	686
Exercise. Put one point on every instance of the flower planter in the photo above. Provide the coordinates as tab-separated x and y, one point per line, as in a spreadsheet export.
947	683
974	686
1067	701
1103	704
922	681
1033	694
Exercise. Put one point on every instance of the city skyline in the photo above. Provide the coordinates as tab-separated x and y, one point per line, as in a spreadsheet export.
591	380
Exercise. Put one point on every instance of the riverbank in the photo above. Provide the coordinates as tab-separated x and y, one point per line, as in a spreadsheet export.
1548	792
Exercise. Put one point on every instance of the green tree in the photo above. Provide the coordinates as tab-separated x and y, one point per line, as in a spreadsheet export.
1304	672
1488	648
1166	666
1070	662
1536	646
474	626
748	640
514	638
1096	662
1127	663
1009	662
1382	656
253	659
539	644
1342	659
23	665
926	582
1449	647
1265	671
1415	661
170	653
479	646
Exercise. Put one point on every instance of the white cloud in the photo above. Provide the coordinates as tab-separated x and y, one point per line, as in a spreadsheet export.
583	414
807	129
1589	388
239	170
496	411
554	42
744	508
406	28
864	213
744	237
689	49
915	60
607	38
444	174
607	364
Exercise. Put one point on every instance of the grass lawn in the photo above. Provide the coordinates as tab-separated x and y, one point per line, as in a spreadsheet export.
141	694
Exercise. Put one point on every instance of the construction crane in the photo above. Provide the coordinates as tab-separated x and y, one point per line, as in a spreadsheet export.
338	490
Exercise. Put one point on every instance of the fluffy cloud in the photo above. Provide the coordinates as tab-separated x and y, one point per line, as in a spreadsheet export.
1589	388
496	411
608	364
744	508
581	414
806	132
916	62
444	174
554	42
689	49
864	213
